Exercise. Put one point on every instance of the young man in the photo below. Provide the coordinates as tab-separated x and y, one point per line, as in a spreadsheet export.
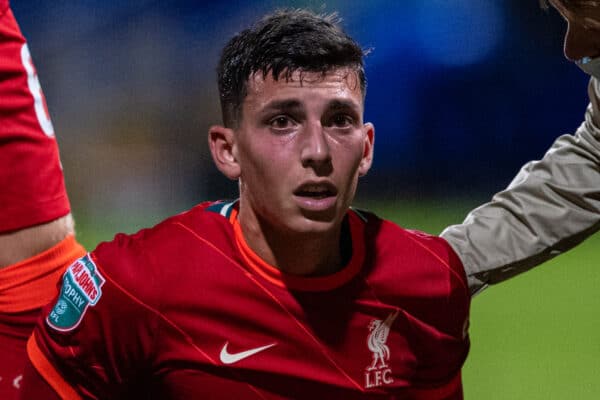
36	228
284	293
287	292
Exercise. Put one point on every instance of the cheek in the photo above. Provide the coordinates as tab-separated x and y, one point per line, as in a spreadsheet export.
266	165
349	153
272	158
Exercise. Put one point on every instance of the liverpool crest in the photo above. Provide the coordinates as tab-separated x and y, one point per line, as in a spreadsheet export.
378	372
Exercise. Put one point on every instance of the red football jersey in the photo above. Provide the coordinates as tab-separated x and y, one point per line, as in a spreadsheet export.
186	310
31	179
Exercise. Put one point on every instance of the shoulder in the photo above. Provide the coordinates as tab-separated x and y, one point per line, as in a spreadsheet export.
140	261
411	254
390	236
417	272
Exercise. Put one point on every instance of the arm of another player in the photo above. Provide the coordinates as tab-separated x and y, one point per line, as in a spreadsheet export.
37	240
35	212
550	206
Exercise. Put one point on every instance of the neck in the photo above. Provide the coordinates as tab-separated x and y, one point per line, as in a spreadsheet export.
303	254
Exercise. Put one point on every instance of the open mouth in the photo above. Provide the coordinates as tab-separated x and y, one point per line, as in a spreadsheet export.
316	191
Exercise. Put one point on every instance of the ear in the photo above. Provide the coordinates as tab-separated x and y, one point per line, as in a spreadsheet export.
221	142
367	158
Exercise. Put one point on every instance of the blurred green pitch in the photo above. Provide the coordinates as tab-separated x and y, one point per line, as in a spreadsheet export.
536	336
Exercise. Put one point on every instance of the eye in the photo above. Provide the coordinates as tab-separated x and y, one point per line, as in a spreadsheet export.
282	123
341	121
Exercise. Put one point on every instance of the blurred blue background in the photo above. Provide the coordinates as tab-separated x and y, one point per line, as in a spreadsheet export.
461	93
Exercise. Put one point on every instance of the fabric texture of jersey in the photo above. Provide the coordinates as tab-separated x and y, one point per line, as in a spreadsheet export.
24	289
187	310
31	178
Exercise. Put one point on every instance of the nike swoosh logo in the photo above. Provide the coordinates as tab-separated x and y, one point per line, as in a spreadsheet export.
230	358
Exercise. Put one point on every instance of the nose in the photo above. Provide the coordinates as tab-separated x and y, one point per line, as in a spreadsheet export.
315	151
579	43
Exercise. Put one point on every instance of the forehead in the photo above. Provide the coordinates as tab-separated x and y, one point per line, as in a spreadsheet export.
340	82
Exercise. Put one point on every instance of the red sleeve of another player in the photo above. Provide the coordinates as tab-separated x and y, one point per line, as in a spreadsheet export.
96	339
31	178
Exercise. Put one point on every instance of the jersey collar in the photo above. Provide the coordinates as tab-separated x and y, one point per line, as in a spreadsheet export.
303	283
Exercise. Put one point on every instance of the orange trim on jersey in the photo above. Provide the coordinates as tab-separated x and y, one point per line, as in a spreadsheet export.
320	283
48	372
234	213
31	283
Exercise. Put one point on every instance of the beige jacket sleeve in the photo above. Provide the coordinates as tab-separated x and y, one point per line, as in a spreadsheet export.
551	205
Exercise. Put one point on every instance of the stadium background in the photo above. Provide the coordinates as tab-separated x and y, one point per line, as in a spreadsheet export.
461	92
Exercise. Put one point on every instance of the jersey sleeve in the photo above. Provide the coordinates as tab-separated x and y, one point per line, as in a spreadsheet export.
96	338
31	179
551	205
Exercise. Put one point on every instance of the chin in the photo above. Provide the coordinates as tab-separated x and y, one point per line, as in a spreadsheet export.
317	224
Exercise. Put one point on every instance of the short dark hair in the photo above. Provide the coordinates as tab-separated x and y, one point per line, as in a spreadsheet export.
282	43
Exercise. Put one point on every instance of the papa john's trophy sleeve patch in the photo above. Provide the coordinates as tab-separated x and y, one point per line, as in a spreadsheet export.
81	288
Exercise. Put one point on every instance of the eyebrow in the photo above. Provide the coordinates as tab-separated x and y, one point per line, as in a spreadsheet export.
347	106
282	105
295	105
342	105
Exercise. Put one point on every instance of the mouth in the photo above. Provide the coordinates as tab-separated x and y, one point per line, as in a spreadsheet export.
316	190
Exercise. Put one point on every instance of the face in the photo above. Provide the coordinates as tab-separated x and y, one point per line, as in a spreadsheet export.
301	146
582	39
